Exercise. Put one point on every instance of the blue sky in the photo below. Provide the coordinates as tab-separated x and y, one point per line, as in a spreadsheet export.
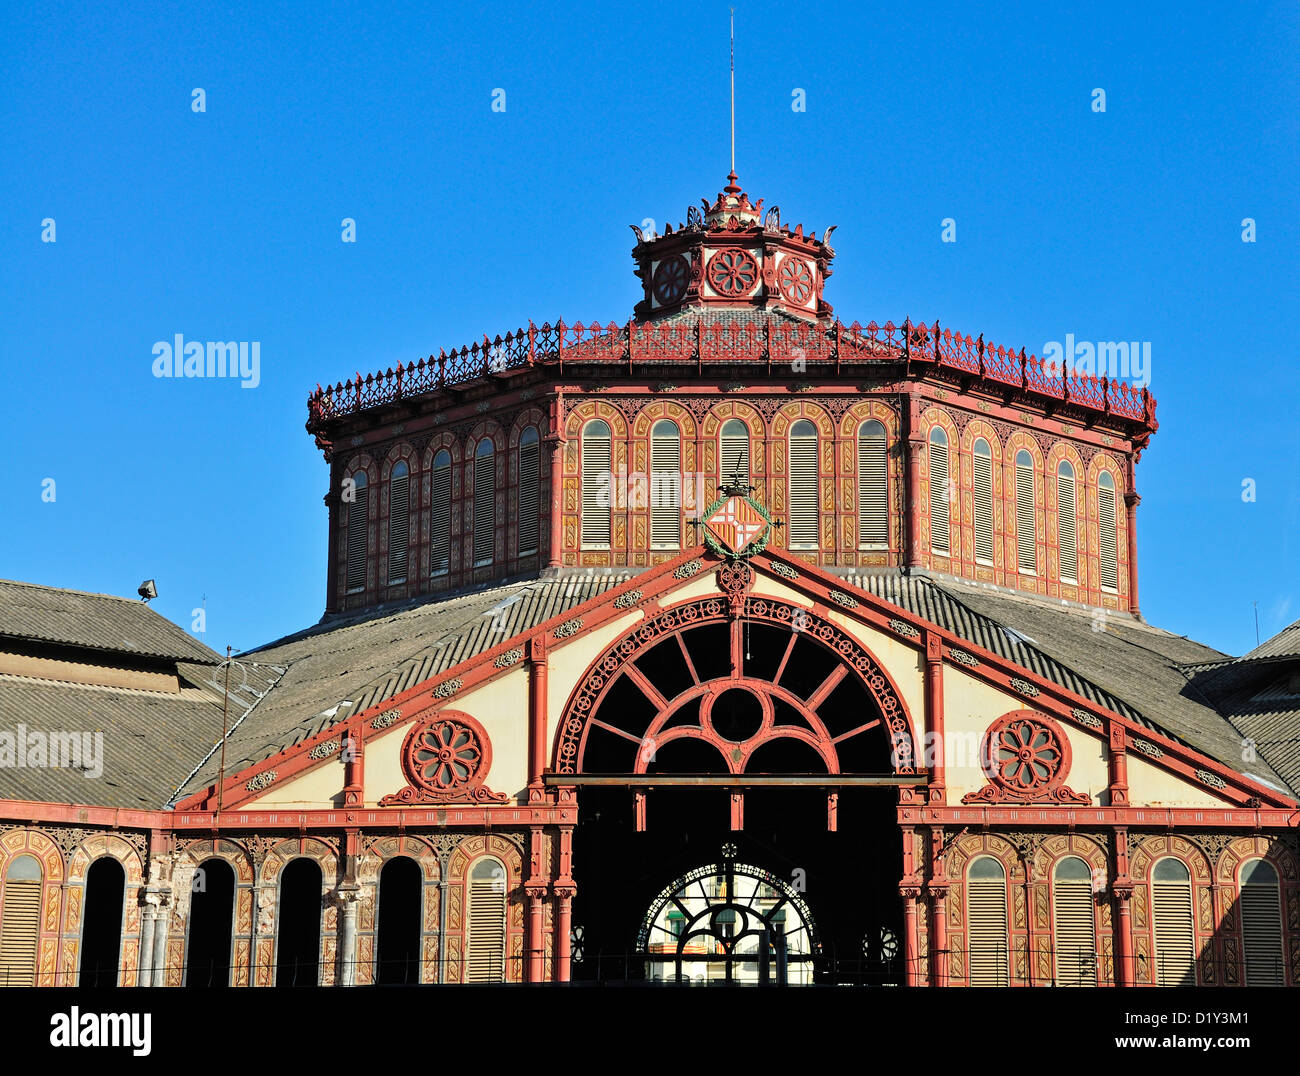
225	225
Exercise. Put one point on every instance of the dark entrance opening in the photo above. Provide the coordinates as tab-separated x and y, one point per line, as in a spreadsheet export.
397	956
101	934
212	910
298	936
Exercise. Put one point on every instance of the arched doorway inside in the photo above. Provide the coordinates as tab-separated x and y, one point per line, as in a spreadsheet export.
297	960
212	910
101	929
751	726
397	950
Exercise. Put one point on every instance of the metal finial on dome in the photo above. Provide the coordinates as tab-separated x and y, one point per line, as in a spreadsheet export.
732	187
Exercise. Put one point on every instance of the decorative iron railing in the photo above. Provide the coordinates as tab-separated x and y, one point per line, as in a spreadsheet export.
740	340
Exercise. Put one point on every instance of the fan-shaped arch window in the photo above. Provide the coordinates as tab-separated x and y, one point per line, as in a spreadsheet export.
1261	924
486	943
399	521
1175	932
873	486
805	499
357	509
665	485
733	450
983	491
597	482
440	514
529	519
1026	532
986	903
940	493
1073	924
1067	512
485	502
20	921
1107	537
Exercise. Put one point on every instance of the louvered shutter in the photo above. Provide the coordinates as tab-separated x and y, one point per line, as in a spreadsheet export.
1261	928
665	486
734	449
873	487
1107	536
19	932
440	516
805	503
597	472
1067	510
986	902
983	474
939	494
357	528
529	521
1075	934
399	523
1026	536
485	501
1175	952
485	956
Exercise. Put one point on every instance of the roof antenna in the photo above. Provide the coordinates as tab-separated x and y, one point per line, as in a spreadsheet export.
733	89
1256	604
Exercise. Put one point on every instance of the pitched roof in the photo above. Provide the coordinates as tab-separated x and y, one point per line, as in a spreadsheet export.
1285	644
100	622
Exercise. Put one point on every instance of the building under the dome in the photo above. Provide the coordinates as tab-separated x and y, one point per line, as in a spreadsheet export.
732	643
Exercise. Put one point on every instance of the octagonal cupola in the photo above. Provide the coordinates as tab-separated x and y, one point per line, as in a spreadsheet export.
731	255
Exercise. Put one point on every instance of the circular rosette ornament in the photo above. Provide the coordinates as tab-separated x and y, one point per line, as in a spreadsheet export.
733	272
670	279
795	280
1026	758
446	758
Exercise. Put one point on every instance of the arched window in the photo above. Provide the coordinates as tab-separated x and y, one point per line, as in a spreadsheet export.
529	518
211	925
440	514
1261	924
1067	514
873	487
101	923
1026	534
485	502
597	483
399	521
665	485
1107	537
297	939
1073	924
397	939
486	944
733	450
940	494
20	921
986	904
805	499
358	532
1171	911
983	479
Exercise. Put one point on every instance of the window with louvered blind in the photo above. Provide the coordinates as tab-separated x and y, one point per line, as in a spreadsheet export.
940	494
440	514
1026	533
986	911
665	485
597	482
530	491
1067	512
399	521
873	487
983	478
1073	925
1175	933
20	922
733	450
358	532
805	499
1107	537
485	948
1261	924
485	502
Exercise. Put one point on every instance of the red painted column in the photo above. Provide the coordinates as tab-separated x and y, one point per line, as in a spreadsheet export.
354	767
565	890
557	442
912	511
1132	500
909	888
535	888
1123	890
939	931
537	681
1118	766
934	732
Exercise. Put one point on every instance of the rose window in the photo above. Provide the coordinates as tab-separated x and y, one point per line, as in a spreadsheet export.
670	279
733	272
446	758
1025	754
795	280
